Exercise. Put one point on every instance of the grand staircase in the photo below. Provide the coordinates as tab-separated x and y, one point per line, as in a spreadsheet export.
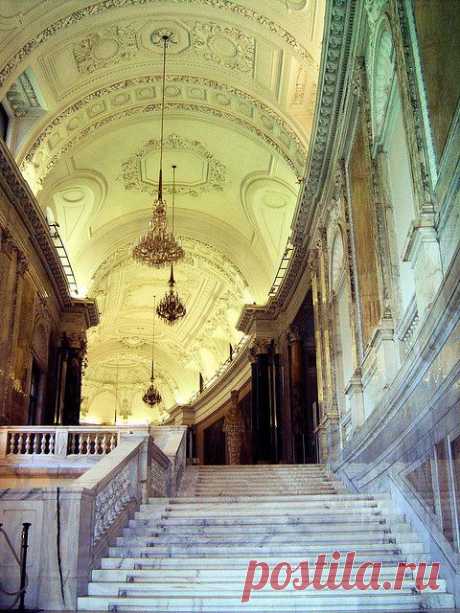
191	553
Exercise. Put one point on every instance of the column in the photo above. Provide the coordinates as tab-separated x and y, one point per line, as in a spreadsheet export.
264	426
72	354
296	393
287	452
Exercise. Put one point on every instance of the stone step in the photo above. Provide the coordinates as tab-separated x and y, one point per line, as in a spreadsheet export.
217	575
246	520
298	550
280	510
257	467
137	562
269	478
256	491
266	529
263	602
276	499
208	590
329	502
197	540
245	492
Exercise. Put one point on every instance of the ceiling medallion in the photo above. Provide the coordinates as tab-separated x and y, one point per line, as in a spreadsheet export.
171	308
158	246
152	396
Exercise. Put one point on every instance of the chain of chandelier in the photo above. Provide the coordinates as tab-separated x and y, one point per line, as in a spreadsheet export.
159	248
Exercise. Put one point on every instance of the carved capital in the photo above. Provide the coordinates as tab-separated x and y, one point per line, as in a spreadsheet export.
261	346
293	335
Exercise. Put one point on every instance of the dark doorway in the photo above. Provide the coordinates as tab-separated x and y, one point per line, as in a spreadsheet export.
303	385
214	443
34	397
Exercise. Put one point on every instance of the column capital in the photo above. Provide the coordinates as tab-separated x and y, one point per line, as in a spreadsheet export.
293	334
260	346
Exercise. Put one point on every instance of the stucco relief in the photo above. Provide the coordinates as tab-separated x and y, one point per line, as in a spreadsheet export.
65	133
111	45
210	174
223	45
100	8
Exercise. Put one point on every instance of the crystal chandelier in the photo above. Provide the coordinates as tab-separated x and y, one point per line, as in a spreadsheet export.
158	246
152	396
171	308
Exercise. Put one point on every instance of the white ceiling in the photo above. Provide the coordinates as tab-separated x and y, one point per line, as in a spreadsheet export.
84	79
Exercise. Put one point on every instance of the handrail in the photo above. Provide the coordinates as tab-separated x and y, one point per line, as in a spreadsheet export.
64	257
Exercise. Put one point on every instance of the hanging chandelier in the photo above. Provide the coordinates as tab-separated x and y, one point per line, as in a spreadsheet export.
152	396
171	308
158	246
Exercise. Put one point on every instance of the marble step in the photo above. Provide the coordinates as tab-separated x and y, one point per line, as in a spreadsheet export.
268	498
204	589
283	550
259	467
305	529
199	541
198	562
262	473
225	490
214	575
271	509
293	490
269	477
246	520
306	502
263	602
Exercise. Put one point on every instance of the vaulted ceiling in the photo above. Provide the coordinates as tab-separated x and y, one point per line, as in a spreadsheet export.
82	81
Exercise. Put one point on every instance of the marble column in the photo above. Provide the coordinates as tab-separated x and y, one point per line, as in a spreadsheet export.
71	360
296	376
287	452
264	426
234	428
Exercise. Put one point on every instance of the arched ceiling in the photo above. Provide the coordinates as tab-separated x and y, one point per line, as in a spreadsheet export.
82	81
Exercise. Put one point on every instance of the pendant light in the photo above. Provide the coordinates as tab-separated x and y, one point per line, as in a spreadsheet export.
152	396
171	308
158	246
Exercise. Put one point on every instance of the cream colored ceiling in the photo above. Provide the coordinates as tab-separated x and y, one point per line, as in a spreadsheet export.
84	79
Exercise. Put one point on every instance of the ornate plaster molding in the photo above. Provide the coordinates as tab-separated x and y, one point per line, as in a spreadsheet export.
56	123
339	24
102	7
251	114
132	172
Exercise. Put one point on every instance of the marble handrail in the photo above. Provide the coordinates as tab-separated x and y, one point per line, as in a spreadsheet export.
57	441
114	482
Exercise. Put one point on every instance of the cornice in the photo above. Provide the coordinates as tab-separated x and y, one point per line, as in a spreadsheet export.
23	201
333	72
